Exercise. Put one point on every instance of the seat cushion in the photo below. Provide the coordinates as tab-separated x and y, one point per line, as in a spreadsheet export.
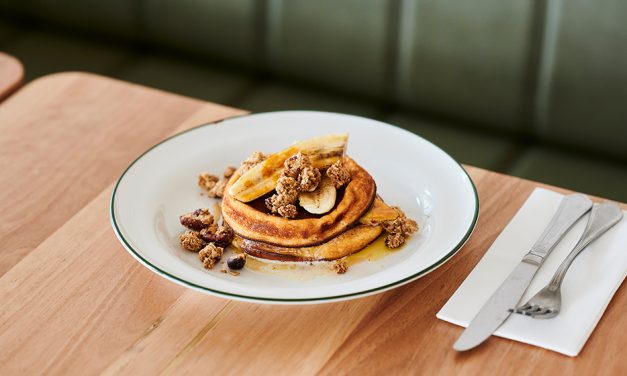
278	97
43	52
183	77
16	7
568	170
113	17
7	32
224	30
466	146
586	87
466	59
339	44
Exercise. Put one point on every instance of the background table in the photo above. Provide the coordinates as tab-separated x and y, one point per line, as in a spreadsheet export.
11	75
74	301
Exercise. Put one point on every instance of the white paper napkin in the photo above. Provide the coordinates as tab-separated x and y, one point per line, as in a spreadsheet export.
589	285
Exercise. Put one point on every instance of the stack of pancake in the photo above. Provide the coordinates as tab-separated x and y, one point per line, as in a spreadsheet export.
350	226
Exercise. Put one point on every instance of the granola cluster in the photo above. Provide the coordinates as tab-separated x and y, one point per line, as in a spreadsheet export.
207	181
295	164
288	187
399	229
288	211
213	184
309	179
338	174
253	160
222	236
340	266
205	236
300	168
298	175
228	172
191	241
197	220
210	255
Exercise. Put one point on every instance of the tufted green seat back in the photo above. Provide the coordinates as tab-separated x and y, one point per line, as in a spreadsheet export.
555	70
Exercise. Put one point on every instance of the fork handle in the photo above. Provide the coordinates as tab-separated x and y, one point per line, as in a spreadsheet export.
602	218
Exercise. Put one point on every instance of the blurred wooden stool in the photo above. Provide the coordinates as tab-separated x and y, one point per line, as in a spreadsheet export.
11	75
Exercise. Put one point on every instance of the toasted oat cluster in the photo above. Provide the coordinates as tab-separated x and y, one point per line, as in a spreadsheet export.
197	220
340	266
284	199
299	168
229	171
222	236
208	231
288	187
399	229
288	211
207	181
275	202
210	255
205	236
338	174
309	179
191	241
298	175
213	184
295	164
218	190
253	160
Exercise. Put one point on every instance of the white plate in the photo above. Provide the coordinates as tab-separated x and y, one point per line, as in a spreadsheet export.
410	172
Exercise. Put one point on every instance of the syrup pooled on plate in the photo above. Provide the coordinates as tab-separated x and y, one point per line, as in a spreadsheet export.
309	270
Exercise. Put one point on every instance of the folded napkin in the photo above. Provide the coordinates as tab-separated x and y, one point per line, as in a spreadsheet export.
589	285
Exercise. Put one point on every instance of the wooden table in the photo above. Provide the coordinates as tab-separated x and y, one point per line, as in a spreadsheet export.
73	301
11	75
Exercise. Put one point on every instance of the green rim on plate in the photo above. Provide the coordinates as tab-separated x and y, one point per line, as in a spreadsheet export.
186	283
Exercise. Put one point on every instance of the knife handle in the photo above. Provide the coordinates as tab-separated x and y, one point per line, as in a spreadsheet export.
570	210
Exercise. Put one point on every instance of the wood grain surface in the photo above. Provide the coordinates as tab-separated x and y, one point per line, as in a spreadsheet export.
11	75
74	302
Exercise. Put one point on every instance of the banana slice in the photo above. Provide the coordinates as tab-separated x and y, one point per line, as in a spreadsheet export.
320	201
261	179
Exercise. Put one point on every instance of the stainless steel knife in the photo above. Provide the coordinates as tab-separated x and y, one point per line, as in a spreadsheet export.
497	309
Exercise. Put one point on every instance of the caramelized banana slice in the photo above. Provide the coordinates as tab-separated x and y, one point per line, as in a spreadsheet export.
320	201
261	179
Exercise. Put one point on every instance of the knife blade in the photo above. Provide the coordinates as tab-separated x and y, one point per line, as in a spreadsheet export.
497	308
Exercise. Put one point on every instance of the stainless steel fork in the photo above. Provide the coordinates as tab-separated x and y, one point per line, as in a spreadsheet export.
547	303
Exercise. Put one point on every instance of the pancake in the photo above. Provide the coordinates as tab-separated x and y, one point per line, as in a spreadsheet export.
257	226
349	242
353	240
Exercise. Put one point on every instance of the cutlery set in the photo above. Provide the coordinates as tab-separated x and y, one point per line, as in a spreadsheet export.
547	302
